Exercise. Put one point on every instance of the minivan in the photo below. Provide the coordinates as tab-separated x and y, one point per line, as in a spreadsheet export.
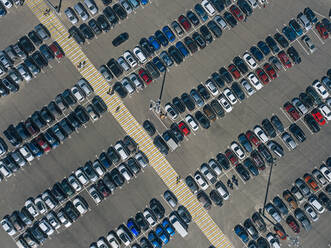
180	227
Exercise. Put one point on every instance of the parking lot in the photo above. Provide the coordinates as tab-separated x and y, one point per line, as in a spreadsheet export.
197	148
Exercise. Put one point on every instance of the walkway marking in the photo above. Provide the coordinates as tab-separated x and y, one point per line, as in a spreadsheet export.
130	125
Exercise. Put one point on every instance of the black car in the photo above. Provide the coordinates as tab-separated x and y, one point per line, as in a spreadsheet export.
120	90
120	39
203	91
218	4
66	127
175	54
277	123
111	16
311	123
71	211
146	47
267	126
176	132
141	221
161	145
217	31
120	12
206	34
157	208
199	40
178	104
282	41
251	166
99	105
245	7
103	23
188	101
114	67
265	153
3	89
58	192
223	161
193	18
81	114
86	31
54	109
46	52
37	120
60	134
217	79
152	70
68	97
294	55
113	155
37	233
133	165
39	59
217	108
191	44
33	35
238	92
243	172
202	119
306	99
225	75
297	132
184	214
149	127
12	136
10	84
22	131
190	182
73	120
240	64
95	27
77	35
229	18
272	44
26	45
216	198
130	144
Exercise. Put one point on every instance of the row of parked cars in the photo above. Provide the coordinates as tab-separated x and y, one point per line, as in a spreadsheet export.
162	38
151	217
7	4
103	23
313	206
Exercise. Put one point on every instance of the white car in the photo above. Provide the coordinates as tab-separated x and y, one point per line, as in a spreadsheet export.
48	199
237	150
325	110
121	61
326	172
149	216
101	243
225	103
125	172
91	6
105	72
211	86
40	204
81	11
230	96
248	87
85	86
193	124
8	226
320	89
215	166
273	240
201	180
112	240
220	21
74	182
122	234
7	3
78	94
23	71
53	220
121	150
46	227
254	81
316	204
63	218
208	173
141	159
319	176
128	86
94	194
136	81
126	6
171	111
311	212
130	59
299	105
80	204
260	134
31	207
139	55
208	7
71	15
250	61
4	170
24	150
99	169
80	175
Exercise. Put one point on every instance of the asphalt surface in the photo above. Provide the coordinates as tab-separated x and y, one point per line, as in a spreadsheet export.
198	148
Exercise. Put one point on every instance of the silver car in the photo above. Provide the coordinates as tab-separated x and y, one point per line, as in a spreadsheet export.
81	11
220	21
270	208
105	72
123	64
15	76
303	187
71	15
24	71
299	105
136	81
289	141
128	86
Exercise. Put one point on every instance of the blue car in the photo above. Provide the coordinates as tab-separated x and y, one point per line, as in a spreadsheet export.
163	235
263	47
154	43
168	227
51	140
289	33
201	12
246	144
241	232
296	27
132	226
144	2
161	38
258	55
104	160
166	59
35	150
159	64
170	35
181	47
153	238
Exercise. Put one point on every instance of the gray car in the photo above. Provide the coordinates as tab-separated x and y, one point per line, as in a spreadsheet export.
270	208
301	216
303	187
276	148
275	63
190	182
196	97
289	141
105	72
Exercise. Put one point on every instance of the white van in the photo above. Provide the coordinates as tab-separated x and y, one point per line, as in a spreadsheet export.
178	225
208	7
303	20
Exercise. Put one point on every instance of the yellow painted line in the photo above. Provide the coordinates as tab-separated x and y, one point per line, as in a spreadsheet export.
130	125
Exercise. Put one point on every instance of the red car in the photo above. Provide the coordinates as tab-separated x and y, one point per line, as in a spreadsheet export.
284	59
253	138
184	128
145	76
291	110
43	143
293	224
237	13
270	71
184	22
234	71
318	117
262	76
55	47
231	157
322	30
